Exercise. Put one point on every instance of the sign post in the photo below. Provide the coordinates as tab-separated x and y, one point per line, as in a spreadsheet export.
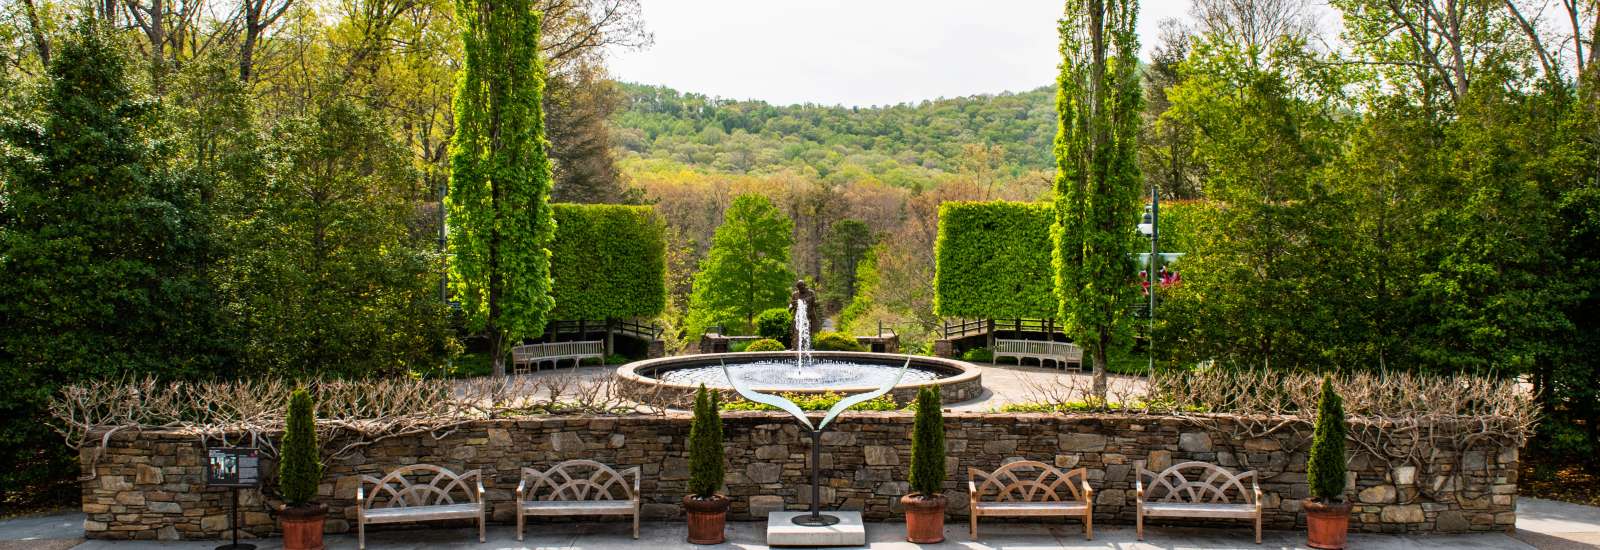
235	468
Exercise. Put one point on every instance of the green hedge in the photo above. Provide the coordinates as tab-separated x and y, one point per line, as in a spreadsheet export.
608	261
993	260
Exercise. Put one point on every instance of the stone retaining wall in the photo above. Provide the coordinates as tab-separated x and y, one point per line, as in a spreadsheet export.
150	485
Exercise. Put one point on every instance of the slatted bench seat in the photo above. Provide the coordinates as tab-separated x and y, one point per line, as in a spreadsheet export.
420	492
1015	490
578	488
1061	353
1196	490
554	352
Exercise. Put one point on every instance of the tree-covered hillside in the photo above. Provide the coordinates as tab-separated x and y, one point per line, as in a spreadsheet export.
904	145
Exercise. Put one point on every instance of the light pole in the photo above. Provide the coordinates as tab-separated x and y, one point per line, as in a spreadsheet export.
1150	225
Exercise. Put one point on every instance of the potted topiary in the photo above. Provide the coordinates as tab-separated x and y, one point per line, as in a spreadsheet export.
926	503
706	508
1327	511
299	471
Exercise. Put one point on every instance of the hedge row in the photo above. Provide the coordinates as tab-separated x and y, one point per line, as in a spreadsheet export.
993	260
608	261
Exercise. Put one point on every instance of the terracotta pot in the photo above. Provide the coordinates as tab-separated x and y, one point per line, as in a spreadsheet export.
707	518
924	518
1327	523
302	526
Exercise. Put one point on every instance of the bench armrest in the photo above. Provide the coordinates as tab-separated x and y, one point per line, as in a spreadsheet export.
361	499
972	490
1088	492
480	491
1256	486
636	486
522	486
1138	487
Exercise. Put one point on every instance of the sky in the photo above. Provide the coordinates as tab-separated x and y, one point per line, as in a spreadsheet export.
856	53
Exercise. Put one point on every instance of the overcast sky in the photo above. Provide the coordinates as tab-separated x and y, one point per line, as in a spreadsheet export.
859	52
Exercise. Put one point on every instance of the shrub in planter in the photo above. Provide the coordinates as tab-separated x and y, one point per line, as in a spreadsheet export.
1327	511
925	505
836	341
776	324
299	471
765	344
707	510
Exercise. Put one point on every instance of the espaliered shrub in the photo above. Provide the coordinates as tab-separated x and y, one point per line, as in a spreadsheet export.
993	260
299	470
1325	466
608	261
706	467
927	445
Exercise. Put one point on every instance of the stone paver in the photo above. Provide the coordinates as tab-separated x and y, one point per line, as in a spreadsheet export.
1007	384
1552	525
749	536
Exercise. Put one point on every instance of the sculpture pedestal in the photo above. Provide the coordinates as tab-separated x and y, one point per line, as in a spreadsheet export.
782	531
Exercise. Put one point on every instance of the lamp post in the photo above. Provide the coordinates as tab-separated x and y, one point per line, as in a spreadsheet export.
1149	226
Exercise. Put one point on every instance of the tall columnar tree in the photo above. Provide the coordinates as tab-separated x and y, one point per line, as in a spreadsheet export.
1098	104
299	470
102	249
841	251
706	462
1325	465
499	209
927	445
747	269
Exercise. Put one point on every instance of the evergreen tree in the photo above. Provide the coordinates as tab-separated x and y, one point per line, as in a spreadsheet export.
500	217
1098	105
102	250
299	469
747	269
846	244
706	464
329	238
927	444
1325	466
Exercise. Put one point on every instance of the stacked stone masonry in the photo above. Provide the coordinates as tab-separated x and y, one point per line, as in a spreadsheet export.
150	485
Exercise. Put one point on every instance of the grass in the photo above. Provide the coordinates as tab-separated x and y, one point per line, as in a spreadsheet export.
815	402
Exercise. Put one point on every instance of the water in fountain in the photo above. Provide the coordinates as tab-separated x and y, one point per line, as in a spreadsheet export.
802	342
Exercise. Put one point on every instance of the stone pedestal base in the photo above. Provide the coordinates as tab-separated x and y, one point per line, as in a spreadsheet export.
782	531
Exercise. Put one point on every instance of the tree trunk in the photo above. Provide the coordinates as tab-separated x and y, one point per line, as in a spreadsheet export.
40	43
1100	367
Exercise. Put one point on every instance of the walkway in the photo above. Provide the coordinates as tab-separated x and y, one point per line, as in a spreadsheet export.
1542	525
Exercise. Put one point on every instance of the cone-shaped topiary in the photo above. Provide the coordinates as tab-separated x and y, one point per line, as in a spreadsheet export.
299	470
705	446
927	445
1325	470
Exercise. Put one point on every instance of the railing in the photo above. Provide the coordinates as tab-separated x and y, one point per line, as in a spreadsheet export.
629	327
962	328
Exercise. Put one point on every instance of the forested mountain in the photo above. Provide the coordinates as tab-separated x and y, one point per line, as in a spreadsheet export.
906	145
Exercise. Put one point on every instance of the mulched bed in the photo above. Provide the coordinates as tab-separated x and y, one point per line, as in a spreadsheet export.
1566	481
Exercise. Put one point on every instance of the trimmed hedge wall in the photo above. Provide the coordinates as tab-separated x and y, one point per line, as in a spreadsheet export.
608	261
993	260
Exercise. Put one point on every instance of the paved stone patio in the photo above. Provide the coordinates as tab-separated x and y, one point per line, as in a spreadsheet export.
1541	525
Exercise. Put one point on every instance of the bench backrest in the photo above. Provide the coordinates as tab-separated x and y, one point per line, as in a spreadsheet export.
534	351
1039	347
1028	481
421	485
1198	483
581	479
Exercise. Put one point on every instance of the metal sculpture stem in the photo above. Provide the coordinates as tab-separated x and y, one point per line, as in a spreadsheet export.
817	518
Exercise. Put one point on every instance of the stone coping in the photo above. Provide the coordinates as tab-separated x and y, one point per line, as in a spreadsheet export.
961	381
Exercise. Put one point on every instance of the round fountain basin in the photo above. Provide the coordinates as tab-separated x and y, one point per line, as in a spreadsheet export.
673	380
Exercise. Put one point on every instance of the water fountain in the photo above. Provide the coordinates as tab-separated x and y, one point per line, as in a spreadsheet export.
801	370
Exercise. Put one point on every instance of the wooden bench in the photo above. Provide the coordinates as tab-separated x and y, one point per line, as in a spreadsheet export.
1205	491
1059	352
578	487
555	352
420	492
1051	492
